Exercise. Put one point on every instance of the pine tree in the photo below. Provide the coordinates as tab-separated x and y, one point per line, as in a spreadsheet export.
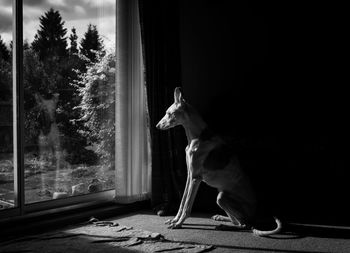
91	42
5	72
5	81
26	45
50	40
4	52
73	38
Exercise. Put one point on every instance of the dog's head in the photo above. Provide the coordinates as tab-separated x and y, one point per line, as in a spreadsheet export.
174	115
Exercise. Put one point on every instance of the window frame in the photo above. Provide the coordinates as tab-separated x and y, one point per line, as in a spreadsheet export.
20	207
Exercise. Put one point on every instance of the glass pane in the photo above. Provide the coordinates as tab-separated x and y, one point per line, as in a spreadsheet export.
69	78
7	196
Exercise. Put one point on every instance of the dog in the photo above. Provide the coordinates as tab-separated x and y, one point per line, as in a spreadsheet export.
49	137
209	159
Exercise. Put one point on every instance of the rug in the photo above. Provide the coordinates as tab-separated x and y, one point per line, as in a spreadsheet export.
100	236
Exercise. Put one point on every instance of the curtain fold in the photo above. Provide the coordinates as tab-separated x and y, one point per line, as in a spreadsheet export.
160	38
133	153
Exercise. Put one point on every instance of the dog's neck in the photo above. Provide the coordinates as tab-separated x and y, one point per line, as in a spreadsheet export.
194	124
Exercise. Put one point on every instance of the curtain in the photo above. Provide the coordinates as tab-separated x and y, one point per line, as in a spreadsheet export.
160	37
133	153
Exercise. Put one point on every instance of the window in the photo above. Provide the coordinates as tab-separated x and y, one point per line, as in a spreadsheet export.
69	98
7	179
73	111
57	113
73	116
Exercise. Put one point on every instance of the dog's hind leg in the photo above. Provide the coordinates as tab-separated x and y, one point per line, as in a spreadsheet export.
234	211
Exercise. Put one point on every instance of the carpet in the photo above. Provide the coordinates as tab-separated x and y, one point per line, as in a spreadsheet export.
100	236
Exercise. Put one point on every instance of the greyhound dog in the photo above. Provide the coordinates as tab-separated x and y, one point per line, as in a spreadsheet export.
49	137
209	159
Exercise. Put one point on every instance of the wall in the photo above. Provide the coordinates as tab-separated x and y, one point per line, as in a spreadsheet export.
270	77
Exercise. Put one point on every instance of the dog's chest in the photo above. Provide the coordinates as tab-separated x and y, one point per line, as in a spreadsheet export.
206	156
214	163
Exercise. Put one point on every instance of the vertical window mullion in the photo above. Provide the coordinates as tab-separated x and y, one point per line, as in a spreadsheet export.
18	103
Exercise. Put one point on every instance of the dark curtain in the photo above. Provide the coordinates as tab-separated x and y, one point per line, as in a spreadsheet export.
160	37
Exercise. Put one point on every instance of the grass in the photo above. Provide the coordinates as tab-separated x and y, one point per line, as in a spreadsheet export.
44	177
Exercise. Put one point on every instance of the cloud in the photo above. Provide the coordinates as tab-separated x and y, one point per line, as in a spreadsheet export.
105	27
34	2
98	3
6	3
83	9
77	13
57	2
5	19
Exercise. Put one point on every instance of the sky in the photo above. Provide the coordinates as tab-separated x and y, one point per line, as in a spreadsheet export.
75	13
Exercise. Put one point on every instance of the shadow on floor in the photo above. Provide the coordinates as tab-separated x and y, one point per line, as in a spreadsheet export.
318	231
253	249
290	231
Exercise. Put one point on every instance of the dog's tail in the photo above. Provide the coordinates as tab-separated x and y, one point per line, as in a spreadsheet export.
269	232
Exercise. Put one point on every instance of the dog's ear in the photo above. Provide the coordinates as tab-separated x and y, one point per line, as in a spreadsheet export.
38	98
178	95
55	97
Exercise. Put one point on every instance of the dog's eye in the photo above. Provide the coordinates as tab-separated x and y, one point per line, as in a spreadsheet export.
171	116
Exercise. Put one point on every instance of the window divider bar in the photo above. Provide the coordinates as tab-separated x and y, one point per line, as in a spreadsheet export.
18	104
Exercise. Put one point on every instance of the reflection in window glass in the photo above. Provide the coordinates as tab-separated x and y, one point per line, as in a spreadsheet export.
6	104
69	78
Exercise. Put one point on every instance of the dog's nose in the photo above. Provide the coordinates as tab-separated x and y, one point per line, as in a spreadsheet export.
158	126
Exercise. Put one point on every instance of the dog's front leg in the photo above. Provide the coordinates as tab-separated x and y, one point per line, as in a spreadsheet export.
185	193
190	197
182	204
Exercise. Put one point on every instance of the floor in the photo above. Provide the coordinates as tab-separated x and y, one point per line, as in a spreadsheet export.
201	229
197	230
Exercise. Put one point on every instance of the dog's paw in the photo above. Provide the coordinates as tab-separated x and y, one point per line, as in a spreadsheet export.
175	225
171	221
219	217
224	227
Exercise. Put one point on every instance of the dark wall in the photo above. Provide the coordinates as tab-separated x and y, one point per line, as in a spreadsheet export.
271	77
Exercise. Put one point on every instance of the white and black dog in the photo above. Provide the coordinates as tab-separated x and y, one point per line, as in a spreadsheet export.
210	161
